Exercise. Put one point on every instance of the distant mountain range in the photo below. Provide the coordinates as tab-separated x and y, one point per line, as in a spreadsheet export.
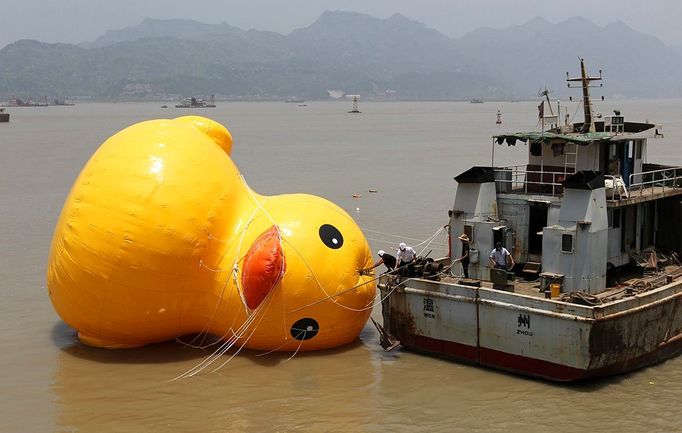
341	52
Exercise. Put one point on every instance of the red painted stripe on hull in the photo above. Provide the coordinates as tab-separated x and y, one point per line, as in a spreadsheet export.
530	366
443	348
493	358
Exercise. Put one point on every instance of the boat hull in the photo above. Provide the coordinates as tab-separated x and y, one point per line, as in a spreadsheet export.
535	337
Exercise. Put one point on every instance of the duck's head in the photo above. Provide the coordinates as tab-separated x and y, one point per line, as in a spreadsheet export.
302	273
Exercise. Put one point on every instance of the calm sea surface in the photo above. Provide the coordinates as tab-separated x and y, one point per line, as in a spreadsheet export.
409	153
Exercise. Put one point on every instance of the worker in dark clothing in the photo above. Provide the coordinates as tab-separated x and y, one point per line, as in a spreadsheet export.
385	258
464	259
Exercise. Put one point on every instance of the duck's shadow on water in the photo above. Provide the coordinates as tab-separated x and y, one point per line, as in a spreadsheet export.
66	340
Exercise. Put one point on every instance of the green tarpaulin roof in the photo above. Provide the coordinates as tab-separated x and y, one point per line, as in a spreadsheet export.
587	138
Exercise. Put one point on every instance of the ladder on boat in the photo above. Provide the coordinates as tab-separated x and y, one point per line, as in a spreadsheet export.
570	158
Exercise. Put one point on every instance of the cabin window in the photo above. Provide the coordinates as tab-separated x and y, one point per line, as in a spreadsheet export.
614	218
535	148
469	231
558	149
567	243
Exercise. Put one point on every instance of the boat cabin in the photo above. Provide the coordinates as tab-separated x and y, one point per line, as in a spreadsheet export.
586	203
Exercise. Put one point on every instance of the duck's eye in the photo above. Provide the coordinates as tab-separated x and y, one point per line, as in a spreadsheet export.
305	329
331	236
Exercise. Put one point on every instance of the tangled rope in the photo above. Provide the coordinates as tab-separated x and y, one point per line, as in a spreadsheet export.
580	298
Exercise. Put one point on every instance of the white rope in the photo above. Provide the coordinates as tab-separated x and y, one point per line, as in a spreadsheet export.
443	245
230	342
331	297
234	271
429	240
251	317
396	236
388	234
350	289
235	267
321	287
298	348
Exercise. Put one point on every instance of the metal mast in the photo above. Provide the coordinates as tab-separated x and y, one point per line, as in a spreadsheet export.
588	126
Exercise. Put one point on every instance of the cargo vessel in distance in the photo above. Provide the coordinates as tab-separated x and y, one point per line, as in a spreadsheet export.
193	102
593	228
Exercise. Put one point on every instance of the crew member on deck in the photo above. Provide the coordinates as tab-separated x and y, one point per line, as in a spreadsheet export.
385	258
406	256
464	259
500	258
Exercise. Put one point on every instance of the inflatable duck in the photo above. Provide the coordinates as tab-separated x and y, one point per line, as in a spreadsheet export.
161	237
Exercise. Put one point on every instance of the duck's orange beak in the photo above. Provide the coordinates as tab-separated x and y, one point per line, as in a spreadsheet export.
263	267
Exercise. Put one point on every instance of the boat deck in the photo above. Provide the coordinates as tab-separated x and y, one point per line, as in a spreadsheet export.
626	284
635	196
645	194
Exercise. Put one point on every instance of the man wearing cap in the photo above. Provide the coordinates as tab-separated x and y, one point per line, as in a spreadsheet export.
406	256
464	259
386	259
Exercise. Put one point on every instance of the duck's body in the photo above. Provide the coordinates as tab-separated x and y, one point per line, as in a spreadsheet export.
161	237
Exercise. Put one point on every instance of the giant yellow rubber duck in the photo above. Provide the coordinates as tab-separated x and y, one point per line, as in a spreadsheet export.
161	237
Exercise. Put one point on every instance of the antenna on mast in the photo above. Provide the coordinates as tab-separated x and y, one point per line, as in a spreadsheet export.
545	92
585	81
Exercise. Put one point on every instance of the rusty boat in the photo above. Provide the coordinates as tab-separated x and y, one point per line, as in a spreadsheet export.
595	233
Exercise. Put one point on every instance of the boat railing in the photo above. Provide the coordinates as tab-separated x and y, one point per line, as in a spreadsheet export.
655	180
519	179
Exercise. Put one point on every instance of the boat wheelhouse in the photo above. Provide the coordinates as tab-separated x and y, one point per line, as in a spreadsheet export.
594	229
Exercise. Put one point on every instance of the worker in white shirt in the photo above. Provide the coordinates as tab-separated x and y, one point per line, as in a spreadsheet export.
405	256
500	258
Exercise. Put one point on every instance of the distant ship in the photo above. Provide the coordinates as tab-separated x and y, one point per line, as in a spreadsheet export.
193	102
476	101
62	102
294	101
16	102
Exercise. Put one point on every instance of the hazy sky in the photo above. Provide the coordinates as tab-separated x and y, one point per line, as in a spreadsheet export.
75	21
